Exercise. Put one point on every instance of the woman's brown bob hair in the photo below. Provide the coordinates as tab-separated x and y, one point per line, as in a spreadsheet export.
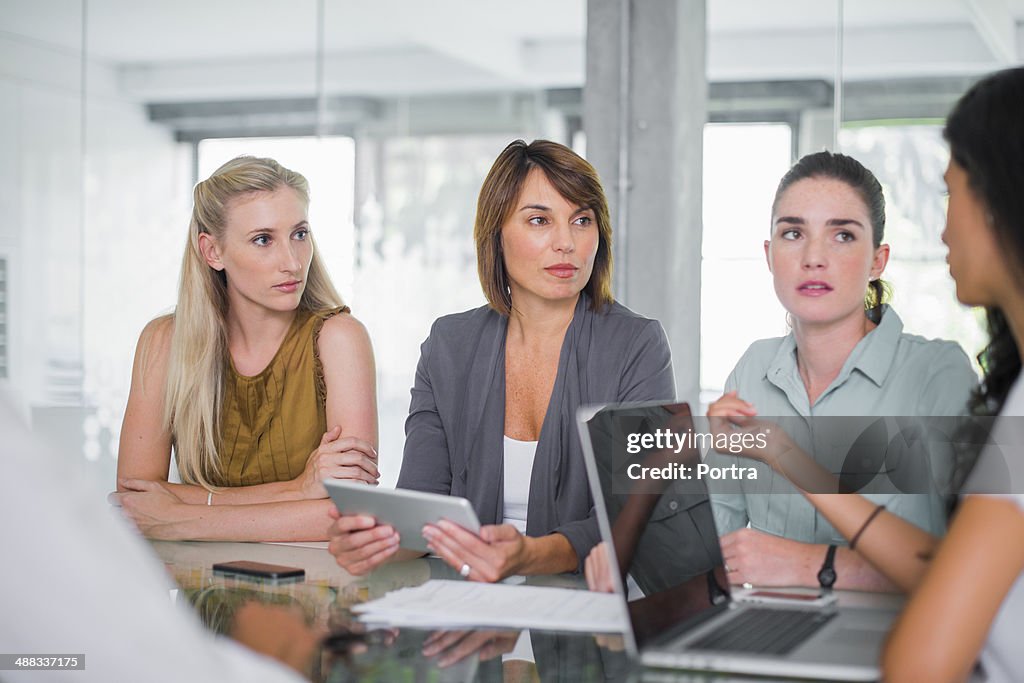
574	178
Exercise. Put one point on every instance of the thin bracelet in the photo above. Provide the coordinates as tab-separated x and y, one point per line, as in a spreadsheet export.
867	522
209	498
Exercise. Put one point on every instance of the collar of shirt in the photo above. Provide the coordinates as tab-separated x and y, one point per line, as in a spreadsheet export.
872	356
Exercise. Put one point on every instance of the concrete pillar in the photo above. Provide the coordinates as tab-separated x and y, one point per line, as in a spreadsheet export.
815	131
644	109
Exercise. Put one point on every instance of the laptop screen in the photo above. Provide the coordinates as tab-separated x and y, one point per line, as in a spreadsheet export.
657	520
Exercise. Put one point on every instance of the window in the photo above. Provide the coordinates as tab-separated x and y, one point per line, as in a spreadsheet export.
909	158
329	165
742	166
417	259
396	231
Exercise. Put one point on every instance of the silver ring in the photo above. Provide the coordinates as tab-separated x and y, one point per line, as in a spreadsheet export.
748	585
465	570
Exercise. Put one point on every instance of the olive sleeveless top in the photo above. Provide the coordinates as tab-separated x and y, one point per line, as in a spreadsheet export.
271	422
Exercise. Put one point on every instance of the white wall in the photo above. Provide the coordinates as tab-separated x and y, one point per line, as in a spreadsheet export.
137	205
41	133
86	270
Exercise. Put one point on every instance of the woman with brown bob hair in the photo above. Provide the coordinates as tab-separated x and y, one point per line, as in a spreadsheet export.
571	176
494	403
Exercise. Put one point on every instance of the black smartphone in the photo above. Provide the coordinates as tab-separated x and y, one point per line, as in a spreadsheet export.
259	570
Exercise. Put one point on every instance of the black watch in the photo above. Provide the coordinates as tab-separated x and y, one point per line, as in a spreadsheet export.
827	573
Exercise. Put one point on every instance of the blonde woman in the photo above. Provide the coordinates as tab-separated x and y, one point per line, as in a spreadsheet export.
260	381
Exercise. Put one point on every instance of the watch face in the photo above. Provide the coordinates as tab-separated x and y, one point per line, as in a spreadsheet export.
827	577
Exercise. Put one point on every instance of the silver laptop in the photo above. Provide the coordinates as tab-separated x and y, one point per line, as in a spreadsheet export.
662	535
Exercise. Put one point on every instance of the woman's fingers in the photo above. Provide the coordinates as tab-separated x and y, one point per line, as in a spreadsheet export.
330	464
340	458
349	443
469	645
596	569
440	641
350	473
468	546
366	544
359	544
731	404
592	567
588	571
355	525
449	548
466	538
375	559
499	645
731	407
487	562
330	435
357	474
346	524
494	533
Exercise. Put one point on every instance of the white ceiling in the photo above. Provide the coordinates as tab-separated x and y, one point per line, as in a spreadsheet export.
181	49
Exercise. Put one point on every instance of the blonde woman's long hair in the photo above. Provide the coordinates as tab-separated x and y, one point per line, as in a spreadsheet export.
199	343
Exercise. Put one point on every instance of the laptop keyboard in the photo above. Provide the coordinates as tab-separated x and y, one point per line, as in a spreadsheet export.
763	630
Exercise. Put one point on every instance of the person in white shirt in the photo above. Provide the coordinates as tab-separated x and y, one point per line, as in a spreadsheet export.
77	579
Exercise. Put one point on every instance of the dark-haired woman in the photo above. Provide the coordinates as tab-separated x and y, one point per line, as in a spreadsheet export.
969	605
494	403
847	355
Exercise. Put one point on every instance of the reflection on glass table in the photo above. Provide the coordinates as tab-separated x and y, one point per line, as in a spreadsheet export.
310	626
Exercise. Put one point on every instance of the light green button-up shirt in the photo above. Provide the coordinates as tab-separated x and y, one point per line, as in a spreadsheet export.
889	373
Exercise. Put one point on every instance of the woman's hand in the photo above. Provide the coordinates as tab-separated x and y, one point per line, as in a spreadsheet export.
734	420
358	543
153	508
499	551
451	647
597	569
338	458
731	405
727	415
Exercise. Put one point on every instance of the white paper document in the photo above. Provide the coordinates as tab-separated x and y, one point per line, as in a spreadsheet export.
466	604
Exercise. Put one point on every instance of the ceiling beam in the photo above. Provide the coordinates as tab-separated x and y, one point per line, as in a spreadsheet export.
494	53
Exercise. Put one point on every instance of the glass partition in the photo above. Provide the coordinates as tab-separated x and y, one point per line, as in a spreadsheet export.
903	68
742	166
395	111
895	70
43	201
429	107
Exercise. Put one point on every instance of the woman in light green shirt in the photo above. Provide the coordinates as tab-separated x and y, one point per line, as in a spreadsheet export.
847	355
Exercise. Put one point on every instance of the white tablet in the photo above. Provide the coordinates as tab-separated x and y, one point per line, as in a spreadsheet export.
407	511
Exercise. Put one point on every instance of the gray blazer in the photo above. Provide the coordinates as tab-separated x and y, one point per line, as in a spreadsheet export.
456	417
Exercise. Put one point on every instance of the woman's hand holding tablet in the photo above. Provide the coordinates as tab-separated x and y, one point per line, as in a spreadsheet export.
372	523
